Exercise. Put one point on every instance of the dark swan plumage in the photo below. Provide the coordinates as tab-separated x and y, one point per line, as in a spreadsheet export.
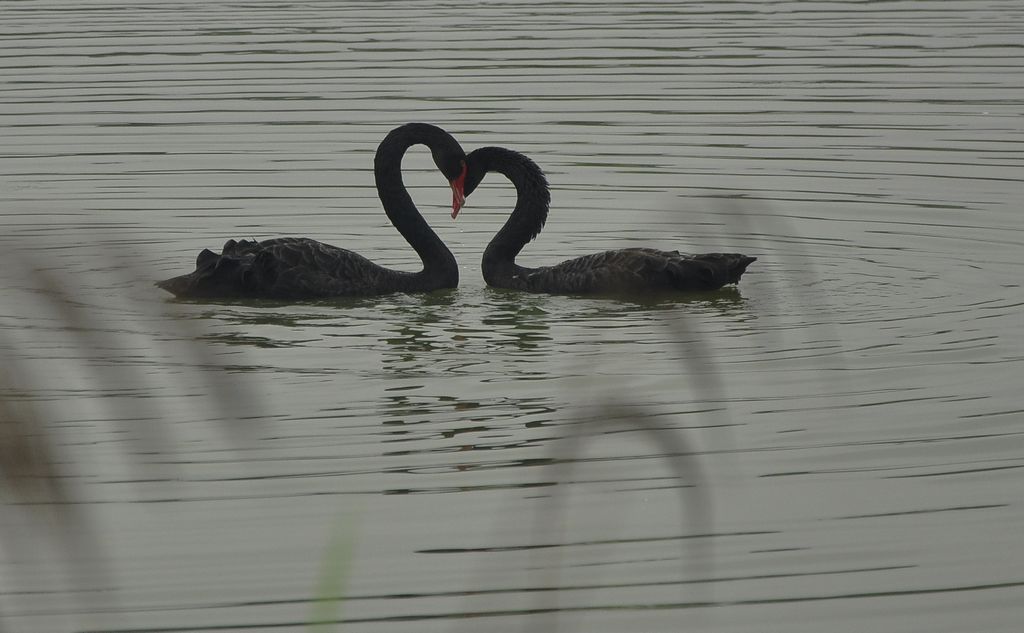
298	268
627	270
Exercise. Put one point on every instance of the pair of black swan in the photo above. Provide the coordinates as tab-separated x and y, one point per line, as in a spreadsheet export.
296	268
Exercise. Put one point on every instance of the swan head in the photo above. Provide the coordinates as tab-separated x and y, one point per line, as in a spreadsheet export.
448	155
475	174
516	166
452	164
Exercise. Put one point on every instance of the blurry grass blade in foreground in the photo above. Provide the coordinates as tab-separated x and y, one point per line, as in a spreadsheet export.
76	355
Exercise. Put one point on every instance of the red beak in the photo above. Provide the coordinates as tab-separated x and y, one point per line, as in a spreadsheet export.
458	193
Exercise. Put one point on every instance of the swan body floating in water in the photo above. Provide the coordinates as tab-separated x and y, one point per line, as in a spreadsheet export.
298	268
627	270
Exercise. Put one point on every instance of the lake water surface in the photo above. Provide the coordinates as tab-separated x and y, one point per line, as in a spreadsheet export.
835	445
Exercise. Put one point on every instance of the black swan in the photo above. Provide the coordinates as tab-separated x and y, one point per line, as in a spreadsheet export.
628	270
297	268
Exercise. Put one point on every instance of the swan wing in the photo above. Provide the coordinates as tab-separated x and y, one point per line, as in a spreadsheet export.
638	270
283	268
300	267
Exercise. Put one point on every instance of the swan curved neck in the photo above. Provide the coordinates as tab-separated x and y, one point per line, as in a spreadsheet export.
439	265
527	219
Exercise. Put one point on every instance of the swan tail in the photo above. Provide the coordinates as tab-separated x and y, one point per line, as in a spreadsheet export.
233	273
709	271
735	265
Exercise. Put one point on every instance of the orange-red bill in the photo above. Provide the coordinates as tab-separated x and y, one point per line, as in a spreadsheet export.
458	194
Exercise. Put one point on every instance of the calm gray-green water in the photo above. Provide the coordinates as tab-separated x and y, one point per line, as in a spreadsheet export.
835	445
